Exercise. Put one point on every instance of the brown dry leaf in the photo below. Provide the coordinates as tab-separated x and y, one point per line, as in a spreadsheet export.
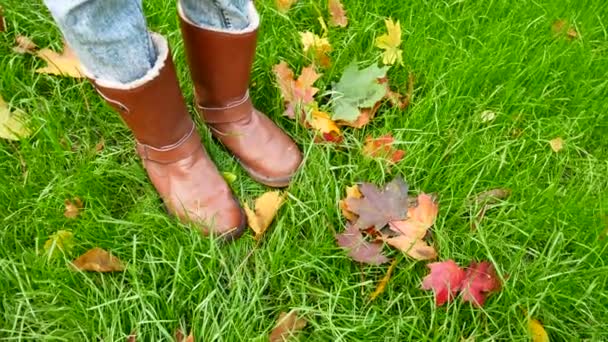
382	147
284	5
561	28
384	281
351	192
132	337
287	326
319	47
72	207
490	196
537	331
98	260
64	64
337	14
265	209
100	145
298	94
24	45
556	144
181	337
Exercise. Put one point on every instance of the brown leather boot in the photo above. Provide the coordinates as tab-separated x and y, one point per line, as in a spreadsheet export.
171	150
220	64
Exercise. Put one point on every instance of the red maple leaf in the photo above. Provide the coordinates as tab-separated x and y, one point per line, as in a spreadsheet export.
481	280
382	147
445	280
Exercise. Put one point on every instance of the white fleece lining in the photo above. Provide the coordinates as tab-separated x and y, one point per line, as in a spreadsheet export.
162	50
254	21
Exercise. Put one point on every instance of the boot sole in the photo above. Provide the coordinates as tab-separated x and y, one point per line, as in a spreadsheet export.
271	182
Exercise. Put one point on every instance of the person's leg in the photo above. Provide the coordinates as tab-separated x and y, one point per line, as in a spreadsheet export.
133	71
220	56
109	37
223	14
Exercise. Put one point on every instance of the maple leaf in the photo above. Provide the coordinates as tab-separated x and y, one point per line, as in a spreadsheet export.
24	45
13	125
297	94
382	147
445	279
337	14
98	260
357	89
287	325
390	42
351	192
537	331
556	144
378	207
384	281
64	64
480	281
360	249
72	208
319	47
60	241
324	124
265	209
284	5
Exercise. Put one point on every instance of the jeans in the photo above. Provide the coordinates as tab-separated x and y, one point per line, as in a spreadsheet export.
111	39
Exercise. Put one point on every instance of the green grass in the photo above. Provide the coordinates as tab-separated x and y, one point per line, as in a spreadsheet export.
548	240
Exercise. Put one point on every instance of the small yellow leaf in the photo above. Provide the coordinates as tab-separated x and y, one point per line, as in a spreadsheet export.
265	209
323	123
351	192
390	43
64	64
384	281
60	241
98	260
285	5
537	331
319	47
72	208
24	45
557	144
12	124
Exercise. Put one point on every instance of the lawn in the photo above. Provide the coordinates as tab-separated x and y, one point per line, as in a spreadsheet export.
548	240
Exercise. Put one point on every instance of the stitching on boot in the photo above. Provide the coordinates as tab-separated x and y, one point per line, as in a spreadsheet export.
121	107
145	148
229	106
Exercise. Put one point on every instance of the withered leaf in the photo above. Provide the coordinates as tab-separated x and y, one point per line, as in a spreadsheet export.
378	207
337	14
72	207
297	93
63	64
285	5
360	249
13	124
98	260
287	326
24	45
384	281
265	209
351	192
382	147
556	144
319	46
491	196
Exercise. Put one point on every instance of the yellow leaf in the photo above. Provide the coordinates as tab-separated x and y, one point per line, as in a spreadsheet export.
383	282
98	260
557	144
64	64
351	192
12	125
61	241
537	331
320	47
390	43
24	45
323	123
265	209
229	177
285	5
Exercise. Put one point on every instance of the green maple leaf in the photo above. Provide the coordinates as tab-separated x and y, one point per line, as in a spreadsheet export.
356	89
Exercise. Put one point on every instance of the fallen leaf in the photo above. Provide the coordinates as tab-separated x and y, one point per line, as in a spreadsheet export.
229	177
390	43
415	248
488	116
297	94
562	27
24	45
537	331
132	337
319	47
64	64
285	5
491	196
265	209
13	125
60	241
557	144
287	326
360	249
72	207
98	260
382	147
337	14
480	281
323	123
181	337
100	145
351	192
378	207
445	279
356	90
2	26
383	282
